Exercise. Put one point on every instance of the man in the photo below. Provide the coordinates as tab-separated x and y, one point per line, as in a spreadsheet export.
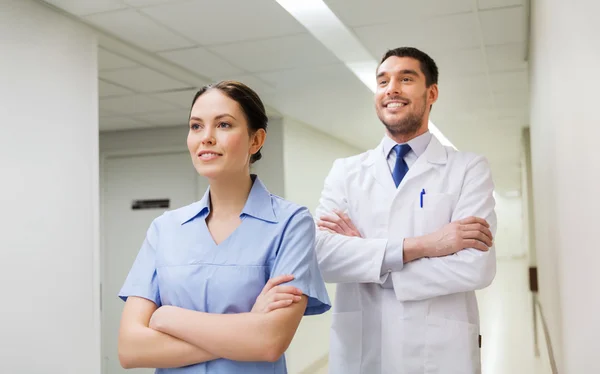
406	231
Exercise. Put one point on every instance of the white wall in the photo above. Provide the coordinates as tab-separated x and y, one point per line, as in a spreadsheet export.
565	128
269	168
308	157
509	240
49	161
527	194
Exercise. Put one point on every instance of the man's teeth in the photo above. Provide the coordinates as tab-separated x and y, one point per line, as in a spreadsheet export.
395	105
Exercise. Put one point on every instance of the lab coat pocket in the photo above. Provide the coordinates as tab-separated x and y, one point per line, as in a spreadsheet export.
452	347
346	347
434	213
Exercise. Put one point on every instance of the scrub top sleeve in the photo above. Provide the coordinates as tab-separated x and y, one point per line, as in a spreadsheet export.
297	256
141	280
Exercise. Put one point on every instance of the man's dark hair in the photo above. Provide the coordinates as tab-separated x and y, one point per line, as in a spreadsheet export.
428	66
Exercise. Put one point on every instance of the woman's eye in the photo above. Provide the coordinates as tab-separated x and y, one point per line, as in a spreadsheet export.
224	125
194	126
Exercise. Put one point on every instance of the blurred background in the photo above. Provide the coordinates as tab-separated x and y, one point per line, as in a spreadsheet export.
95	103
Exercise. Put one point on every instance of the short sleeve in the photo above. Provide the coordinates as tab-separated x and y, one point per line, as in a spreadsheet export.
297	256
141	280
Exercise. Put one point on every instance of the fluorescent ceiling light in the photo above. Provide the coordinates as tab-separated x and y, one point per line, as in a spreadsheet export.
441	137
324	25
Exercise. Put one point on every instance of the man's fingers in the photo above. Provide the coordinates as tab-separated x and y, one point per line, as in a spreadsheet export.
480	236
337	219
328	230
348	221
278	305
333	218
479	227
471	220
331	226
474	243
344	221
276	281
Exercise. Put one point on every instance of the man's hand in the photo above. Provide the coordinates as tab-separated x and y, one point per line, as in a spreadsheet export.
274	296
471	232
338	223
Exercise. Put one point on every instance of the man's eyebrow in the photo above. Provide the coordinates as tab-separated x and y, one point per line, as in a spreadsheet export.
409	72
401	72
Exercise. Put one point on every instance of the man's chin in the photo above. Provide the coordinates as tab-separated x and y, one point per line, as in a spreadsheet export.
401	129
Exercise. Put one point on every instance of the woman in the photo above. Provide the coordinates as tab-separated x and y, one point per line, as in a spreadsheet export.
220	286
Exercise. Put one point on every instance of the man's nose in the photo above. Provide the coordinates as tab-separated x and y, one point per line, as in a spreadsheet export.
393	88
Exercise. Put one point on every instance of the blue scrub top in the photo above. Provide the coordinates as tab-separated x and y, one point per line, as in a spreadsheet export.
180	264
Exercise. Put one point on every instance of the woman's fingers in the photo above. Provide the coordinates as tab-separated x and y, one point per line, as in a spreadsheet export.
278	305
284	296
286	289
273	282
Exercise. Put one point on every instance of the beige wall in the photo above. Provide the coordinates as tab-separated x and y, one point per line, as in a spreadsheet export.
49	273
565	128
308	156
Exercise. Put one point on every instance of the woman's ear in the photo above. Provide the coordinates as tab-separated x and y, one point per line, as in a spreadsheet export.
257	140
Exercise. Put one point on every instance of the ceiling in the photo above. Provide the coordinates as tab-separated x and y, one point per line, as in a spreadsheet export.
154	54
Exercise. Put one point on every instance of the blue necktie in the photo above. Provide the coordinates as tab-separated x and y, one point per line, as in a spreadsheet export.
401	168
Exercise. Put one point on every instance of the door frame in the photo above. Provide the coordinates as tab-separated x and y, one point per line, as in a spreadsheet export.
100	257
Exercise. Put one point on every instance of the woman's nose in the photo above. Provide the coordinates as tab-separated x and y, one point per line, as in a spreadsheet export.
208	137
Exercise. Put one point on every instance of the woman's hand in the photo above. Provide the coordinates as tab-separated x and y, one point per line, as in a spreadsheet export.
275	296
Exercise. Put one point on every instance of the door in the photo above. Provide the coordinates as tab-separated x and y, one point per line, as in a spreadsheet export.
126	179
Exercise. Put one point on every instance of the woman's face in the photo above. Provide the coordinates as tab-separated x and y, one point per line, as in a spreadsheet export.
218	139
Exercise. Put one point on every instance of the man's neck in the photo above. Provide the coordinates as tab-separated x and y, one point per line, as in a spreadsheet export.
405	138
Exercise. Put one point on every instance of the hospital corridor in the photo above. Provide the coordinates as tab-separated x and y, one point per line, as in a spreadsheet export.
299	186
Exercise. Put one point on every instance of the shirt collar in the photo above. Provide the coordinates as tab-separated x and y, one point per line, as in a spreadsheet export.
258	204
418	144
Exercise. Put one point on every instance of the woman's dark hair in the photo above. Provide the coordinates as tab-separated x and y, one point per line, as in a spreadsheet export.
251	105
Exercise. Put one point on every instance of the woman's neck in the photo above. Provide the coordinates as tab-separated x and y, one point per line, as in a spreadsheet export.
228	197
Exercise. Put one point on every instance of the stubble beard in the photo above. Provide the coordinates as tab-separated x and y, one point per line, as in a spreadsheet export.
408	125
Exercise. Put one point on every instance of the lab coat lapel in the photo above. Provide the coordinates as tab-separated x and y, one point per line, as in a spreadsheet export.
435	154
381	169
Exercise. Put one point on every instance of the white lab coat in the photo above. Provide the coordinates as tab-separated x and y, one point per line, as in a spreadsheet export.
429	322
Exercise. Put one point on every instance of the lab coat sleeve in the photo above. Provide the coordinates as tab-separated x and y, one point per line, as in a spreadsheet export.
344	259
466	270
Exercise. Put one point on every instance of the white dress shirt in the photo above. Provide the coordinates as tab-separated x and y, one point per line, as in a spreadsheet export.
393	259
